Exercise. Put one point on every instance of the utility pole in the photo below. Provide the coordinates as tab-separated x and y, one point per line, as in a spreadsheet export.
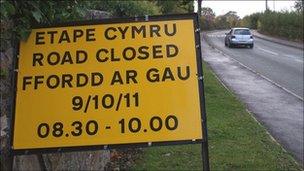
199	7
266	5
205	151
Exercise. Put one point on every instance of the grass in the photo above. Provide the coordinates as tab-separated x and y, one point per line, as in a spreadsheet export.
236	140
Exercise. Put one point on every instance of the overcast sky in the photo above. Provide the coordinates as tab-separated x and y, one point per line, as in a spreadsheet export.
245	7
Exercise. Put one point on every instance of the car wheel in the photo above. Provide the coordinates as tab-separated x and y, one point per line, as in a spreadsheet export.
251	46
229	44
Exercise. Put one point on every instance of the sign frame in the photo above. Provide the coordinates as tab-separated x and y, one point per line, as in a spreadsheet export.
200	78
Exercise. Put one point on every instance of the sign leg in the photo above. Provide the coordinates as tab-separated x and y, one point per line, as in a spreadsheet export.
41	162
205	156
11	161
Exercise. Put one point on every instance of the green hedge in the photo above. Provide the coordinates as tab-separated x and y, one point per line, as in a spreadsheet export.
287	24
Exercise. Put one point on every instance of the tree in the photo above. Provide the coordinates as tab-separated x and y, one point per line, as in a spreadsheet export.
251	20
208	12
25	14
127	8
299	6
20	16
232	18
221	22
174	7
228	20
207	18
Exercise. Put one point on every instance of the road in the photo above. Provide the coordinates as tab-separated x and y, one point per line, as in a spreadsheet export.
269	80
281	64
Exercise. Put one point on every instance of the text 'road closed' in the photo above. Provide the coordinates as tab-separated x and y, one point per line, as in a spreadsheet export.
105	84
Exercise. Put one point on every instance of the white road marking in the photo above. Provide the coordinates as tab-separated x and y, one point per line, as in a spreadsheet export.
268	51
216	35
294	58
261	75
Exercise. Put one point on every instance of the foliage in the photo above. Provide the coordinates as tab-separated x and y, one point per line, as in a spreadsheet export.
284	24
299	6
251	21
287	24
126	8
174	7
18	17
221	22
209	21
28	13
232	18
207	18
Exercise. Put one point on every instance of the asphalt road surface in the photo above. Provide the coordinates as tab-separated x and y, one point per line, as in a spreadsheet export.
257	76
281	64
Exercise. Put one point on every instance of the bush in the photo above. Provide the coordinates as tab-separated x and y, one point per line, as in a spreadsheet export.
127	8
287	24
251	21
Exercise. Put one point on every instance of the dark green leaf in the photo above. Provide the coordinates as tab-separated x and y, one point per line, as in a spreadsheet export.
24	34
37	15
9	7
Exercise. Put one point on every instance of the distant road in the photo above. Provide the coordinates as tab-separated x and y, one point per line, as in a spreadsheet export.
281	64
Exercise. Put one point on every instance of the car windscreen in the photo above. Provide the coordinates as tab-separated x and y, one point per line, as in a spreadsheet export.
242	32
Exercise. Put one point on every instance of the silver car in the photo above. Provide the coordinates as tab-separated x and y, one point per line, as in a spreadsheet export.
239	36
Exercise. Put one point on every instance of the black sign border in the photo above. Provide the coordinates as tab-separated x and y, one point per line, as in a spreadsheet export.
196	31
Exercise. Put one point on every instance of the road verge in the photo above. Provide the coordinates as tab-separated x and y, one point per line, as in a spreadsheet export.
280	111
276	40
236	140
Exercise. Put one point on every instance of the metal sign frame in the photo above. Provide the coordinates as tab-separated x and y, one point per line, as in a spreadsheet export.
203	141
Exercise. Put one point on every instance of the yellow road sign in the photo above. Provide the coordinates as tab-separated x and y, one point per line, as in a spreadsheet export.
108	83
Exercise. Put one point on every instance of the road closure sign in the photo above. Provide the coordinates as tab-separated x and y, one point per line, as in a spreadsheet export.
109	82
